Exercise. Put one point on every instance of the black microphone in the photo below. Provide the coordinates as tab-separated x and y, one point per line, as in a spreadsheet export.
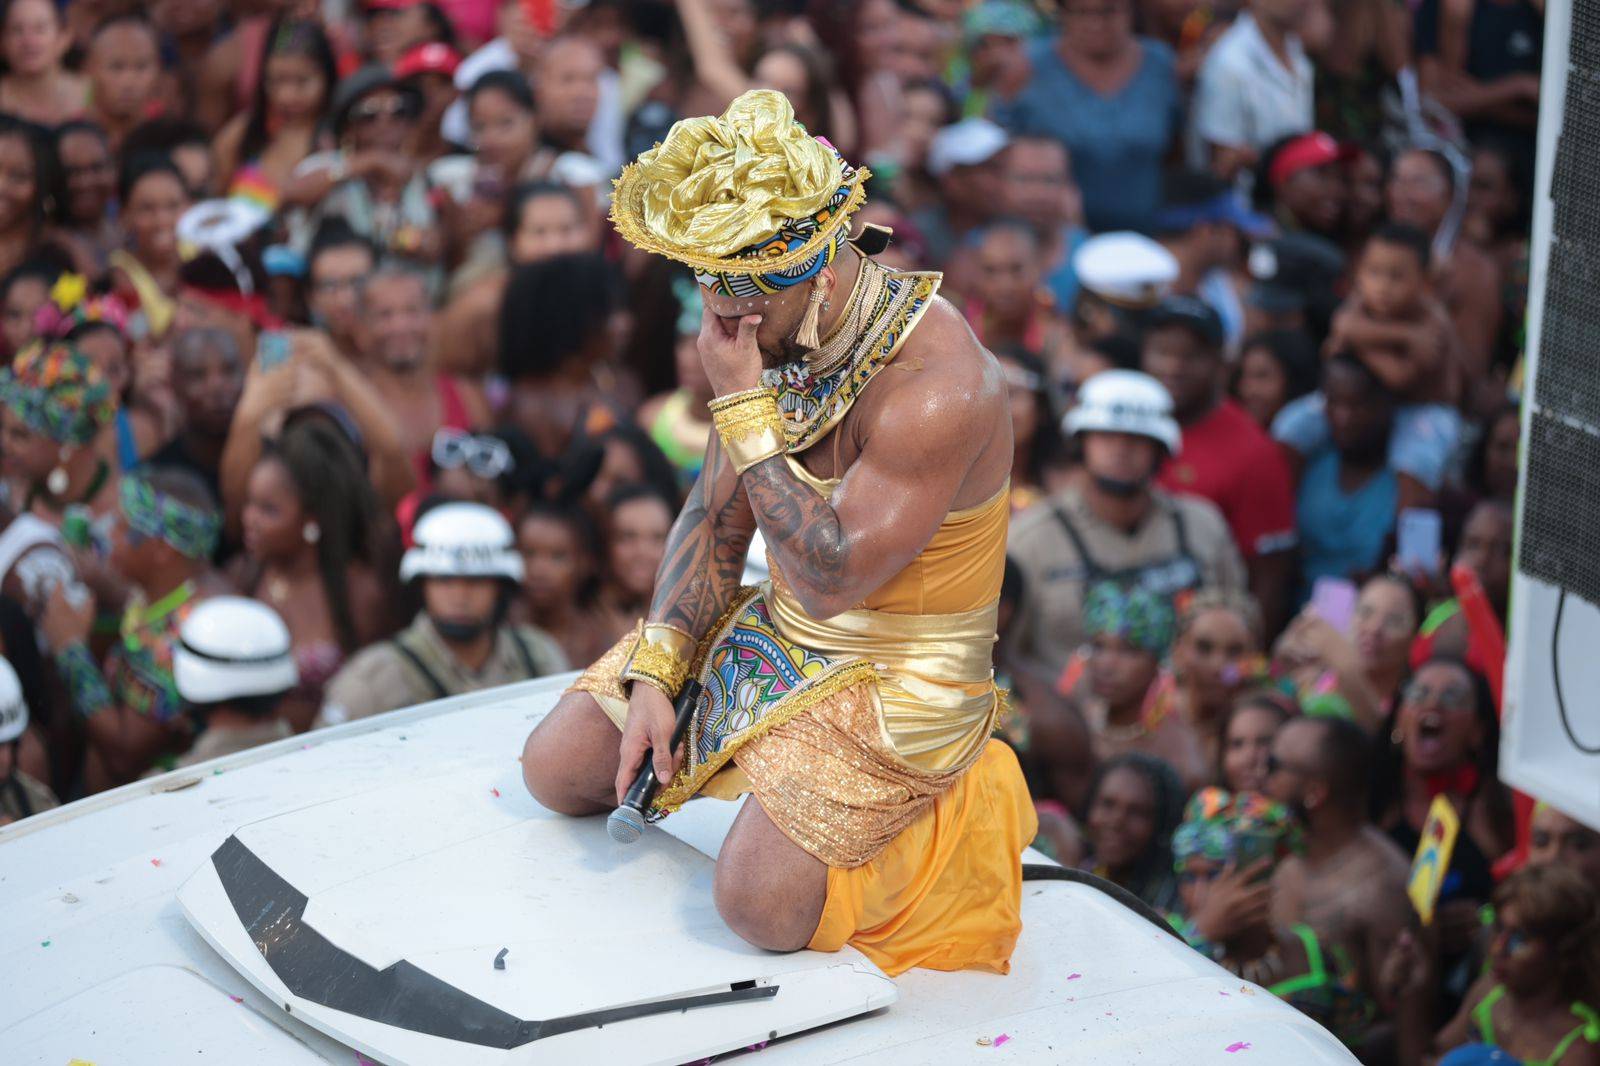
626	823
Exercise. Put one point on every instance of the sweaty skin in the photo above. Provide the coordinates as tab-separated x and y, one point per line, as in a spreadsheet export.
930	435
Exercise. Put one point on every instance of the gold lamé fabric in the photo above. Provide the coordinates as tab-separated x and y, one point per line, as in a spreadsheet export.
715	186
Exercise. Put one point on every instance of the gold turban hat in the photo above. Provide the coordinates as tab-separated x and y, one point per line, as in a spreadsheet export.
749	192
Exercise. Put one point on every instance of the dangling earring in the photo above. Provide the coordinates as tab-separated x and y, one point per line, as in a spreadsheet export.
1395	738
809	335
58	480
312	532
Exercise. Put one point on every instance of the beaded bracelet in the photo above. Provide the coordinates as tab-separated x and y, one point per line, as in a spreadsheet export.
86	685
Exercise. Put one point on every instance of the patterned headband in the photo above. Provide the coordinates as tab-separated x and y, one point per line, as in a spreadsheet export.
1215	818
793	234
190	531
58	392
1144	619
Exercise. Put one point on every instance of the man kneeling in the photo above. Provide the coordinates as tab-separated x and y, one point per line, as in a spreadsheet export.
864	431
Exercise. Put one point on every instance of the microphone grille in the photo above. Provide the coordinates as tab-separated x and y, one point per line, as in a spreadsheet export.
625	825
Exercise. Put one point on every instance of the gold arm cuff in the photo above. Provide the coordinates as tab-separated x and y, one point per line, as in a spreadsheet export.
659	659
750	425
675	639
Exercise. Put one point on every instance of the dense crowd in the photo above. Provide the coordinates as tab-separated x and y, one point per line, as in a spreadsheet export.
326	368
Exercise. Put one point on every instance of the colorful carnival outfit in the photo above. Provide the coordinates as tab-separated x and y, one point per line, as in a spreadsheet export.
866	736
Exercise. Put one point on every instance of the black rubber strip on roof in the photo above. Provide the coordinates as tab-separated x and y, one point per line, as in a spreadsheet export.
1038	871
403	995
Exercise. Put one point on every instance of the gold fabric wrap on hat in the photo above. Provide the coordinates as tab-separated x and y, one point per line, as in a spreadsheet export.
715	187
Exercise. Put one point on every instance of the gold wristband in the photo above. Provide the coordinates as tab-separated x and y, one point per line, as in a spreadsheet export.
750	425
661	658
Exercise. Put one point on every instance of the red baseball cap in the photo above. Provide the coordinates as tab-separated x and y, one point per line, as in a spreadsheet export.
1315	149
435	57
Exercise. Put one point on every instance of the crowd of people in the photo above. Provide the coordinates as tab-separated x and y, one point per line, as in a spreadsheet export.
330	390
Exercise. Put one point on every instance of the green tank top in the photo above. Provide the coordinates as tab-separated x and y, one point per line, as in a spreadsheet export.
680	436
1588	1027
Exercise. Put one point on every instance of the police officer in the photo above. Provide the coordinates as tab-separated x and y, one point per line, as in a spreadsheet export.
232	666
1113	524
466	563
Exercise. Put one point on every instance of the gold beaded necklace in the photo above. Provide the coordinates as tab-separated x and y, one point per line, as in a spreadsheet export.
865	297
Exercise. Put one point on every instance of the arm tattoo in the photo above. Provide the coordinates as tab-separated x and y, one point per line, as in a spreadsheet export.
801	527
706	550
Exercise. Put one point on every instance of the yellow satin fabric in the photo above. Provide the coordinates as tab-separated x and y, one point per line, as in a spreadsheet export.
946	892
718	185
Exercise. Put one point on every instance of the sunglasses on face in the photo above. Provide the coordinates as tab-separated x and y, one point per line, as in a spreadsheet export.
485	457
1446	697
370	111
1515	940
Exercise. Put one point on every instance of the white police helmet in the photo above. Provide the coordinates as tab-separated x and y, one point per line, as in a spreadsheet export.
13	709
1124	401
231	647
462	540
1126	269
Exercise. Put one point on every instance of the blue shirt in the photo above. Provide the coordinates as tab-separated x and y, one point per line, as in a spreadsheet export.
1118	142
1342	534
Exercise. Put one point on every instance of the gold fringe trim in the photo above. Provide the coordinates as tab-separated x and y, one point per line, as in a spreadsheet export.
684	787
627	215
811	322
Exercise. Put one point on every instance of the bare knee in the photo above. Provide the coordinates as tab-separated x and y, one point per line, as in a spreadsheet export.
767	888
568	762
763	914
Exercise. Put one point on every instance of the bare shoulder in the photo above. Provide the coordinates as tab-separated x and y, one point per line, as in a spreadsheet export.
944	342
1382	861
942	371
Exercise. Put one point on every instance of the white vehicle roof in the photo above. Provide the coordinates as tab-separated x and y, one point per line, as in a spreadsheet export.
100	961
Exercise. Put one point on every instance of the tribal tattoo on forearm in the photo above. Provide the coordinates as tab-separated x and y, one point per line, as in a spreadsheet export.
706	549
802	528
